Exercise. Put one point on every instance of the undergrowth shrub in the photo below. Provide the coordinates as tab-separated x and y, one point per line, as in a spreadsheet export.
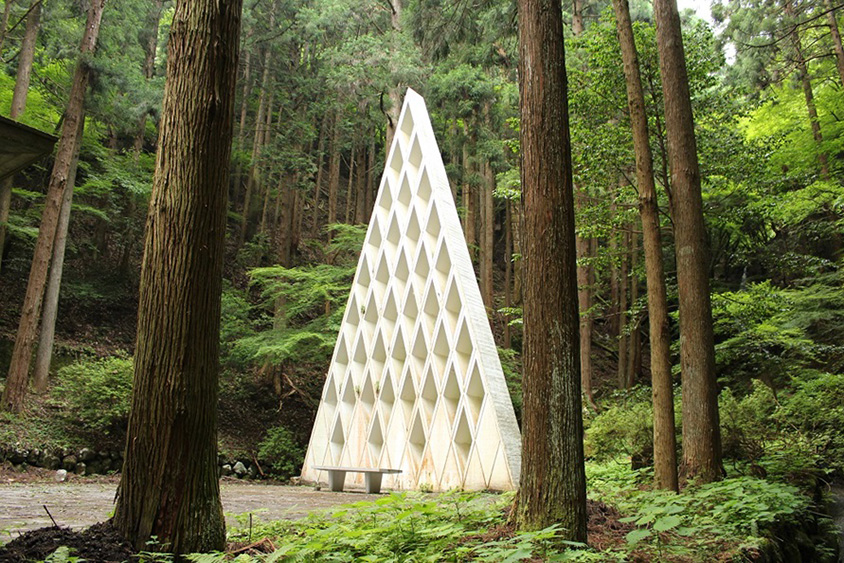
624	428
281	452
96	392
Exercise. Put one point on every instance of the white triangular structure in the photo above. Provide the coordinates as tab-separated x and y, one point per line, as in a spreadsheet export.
415	382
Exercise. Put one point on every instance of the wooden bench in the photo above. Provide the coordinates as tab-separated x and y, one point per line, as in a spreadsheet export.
337	476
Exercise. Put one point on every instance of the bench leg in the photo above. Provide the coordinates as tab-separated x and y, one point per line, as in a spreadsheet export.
373	483
336	480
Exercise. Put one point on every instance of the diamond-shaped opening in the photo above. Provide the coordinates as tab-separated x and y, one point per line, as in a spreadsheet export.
385	197
418	355
413	230
424	190
430	309
406	125
347	401
428	395
329	396
364	278
379	355
387	396
398	355
393	236
350	326
374	237
441	348
402	274
394	166
336	442
341	356
453	304
367	394
416	440
451	393
407	396
463	347
475	393
414	159
382	278
369	316
390	315
359	356
434	227
375	442
410	312
442	266
462	439
422	267
404	196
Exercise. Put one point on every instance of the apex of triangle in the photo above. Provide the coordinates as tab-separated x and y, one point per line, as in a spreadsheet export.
415	382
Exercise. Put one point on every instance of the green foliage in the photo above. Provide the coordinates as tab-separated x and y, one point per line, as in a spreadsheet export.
624	428
281	451
512	367
96	392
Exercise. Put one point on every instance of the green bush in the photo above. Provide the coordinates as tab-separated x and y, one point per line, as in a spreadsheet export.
96	392
624	428
281	452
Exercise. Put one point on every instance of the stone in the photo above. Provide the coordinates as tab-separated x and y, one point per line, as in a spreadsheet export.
240	469
60	476
50	461
69	462
415	382
253	471
87	455
16	456
81	468
226	470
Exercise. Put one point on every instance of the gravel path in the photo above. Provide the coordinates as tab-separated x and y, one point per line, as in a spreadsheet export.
80	505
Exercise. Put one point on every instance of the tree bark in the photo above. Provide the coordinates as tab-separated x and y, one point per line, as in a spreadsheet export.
553	482
360	188
623	276
350	202
149	41
27	54
508	273
254	172
488	225
169	487
836	39
469	199
701	431
634	349
318	184
334	170
46	338
805	81
16	382
577	17
4	21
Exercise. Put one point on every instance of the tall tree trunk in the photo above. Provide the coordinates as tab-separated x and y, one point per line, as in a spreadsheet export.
623	276
4	21
46	338
16	382
169	487
508	272
517	227
149	41
836	39
488	228
253	181
323	132
27	54
634	349
805	81
360	188
553	483
350	205
370	179
468	199
614	310
701	431
577	17
334	170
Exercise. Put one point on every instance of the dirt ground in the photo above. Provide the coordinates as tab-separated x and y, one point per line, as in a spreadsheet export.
82	502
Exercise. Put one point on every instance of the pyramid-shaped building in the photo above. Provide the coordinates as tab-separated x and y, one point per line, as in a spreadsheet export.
415	382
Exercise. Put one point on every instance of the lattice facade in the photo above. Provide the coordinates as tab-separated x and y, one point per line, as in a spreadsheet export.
415	382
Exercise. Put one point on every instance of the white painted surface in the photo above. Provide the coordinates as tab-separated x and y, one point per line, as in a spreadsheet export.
415	382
